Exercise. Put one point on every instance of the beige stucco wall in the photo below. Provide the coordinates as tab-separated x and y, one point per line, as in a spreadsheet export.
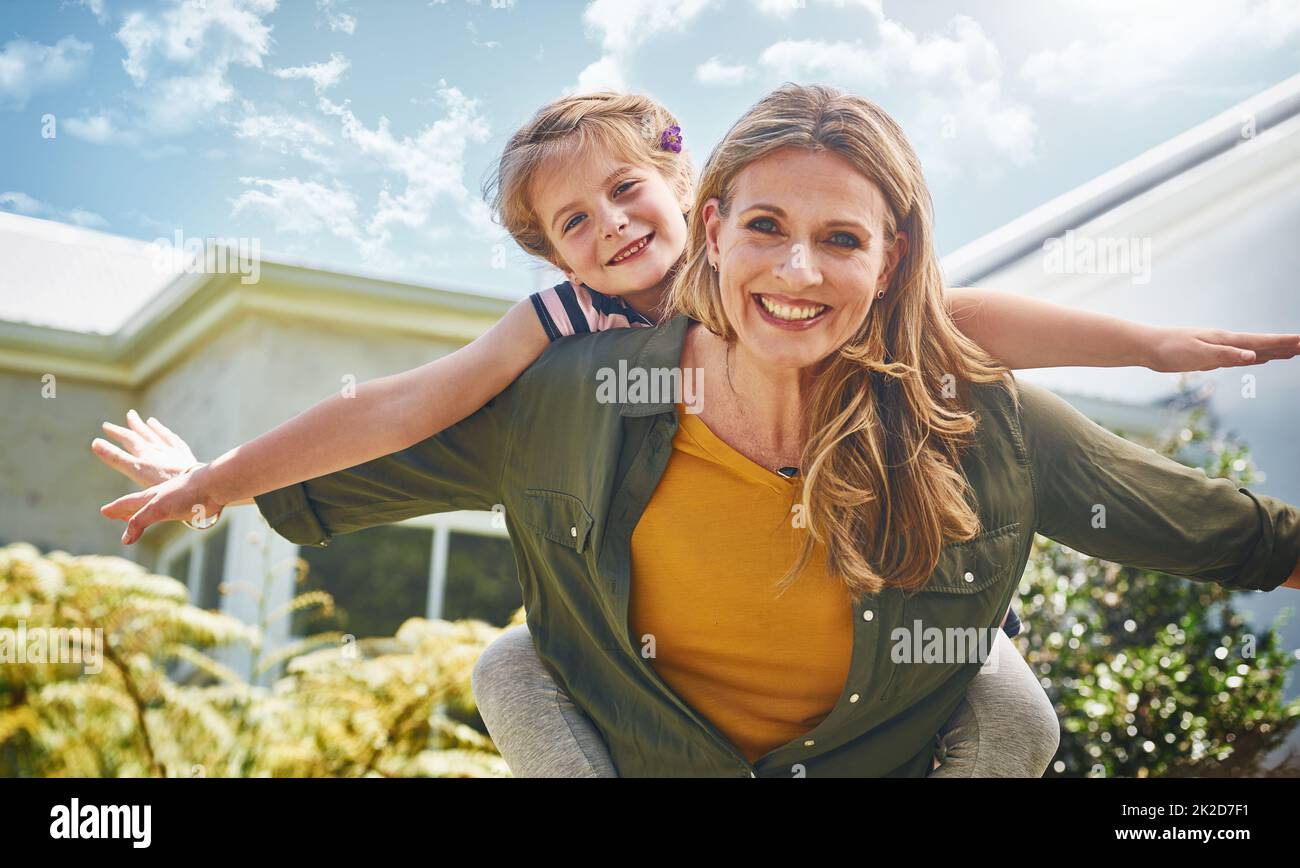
254	372
51	484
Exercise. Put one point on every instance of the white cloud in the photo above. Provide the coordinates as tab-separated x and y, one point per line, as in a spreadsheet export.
96	128
785	8
952	80
179	58
623	26
604	74
431	165
26	67
21	203
300	207
96	8
323	75
285	134
422	178
1140	51
715	71
340	22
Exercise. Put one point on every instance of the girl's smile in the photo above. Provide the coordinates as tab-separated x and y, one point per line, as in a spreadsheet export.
632	251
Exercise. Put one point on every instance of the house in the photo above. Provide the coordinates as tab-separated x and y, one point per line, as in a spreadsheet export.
92	325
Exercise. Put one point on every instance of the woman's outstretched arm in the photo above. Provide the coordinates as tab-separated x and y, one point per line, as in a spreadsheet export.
1023	332
1111	498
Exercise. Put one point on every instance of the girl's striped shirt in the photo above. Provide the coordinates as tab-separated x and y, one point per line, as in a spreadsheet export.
568	310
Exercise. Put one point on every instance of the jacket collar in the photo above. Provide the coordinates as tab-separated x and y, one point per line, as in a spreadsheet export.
662	349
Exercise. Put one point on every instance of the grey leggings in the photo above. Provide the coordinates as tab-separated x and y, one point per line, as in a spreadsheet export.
1005	727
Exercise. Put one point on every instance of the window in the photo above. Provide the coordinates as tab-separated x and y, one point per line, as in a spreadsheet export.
378	578
482	581
452	566
198	561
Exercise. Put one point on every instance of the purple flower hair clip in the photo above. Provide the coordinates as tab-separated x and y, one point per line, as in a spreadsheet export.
671	139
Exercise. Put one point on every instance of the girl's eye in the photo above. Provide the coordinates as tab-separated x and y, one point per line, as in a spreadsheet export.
623	186
845	239
762	224
573	221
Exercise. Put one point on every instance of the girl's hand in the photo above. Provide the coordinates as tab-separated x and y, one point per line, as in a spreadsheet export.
153	453
180	498
1196	349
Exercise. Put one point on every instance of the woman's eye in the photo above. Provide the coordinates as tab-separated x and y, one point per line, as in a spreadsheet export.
845	239
762	224
573	221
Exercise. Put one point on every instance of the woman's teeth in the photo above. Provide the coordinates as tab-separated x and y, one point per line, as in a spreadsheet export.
635	248
785	311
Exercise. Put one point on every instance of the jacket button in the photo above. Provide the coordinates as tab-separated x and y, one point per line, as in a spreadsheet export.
868	615
573	531
854	698
970	577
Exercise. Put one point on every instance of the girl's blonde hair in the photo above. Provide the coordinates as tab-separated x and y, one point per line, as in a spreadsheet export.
889	414
627	124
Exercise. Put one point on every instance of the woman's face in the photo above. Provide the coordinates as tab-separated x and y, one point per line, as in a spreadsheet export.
800	255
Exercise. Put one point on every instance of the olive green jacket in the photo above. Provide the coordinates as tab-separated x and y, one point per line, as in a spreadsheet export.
574	475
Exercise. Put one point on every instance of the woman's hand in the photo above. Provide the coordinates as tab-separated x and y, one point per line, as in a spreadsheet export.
180	498
153	453
1195	349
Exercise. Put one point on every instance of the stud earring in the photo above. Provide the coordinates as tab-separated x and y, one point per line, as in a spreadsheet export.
880	294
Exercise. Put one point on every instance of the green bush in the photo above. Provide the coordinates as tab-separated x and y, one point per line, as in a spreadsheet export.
376	707
1154	674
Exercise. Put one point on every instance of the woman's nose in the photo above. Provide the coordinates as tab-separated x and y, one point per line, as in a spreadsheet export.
797	268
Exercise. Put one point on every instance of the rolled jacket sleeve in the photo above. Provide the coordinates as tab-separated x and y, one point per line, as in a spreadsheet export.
1110	498
458	468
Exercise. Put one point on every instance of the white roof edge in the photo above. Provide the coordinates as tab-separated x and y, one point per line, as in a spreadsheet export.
1012	241
69	233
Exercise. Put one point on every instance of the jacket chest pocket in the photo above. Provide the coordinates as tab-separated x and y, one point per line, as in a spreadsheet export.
560	517
953	619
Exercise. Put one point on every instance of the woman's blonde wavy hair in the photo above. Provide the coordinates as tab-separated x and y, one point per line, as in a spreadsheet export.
890	412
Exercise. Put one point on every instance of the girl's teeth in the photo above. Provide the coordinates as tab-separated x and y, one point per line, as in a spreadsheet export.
623	256
785	311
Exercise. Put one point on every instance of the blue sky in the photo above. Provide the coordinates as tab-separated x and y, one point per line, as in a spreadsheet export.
356	133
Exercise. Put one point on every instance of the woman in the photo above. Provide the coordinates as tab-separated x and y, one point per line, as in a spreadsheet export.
811	305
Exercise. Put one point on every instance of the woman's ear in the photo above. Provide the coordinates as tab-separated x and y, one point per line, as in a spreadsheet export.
712	227
893	256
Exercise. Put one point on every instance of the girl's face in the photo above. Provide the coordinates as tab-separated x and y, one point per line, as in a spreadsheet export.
616	226
800	255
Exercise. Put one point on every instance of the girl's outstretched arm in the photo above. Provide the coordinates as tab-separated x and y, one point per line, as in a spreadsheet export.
1023	332
385	415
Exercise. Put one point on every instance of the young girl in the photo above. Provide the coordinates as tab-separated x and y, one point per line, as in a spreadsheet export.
598	186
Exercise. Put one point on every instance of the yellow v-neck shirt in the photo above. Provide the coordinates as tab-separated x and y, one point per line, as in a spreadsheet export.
716	536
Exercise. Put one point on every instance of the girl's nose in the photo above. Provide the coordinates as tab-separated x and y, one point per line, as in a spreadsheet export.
616	222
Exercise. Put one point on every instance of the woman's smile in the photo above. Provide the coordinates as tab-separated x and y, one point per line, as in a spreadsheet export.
795	314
